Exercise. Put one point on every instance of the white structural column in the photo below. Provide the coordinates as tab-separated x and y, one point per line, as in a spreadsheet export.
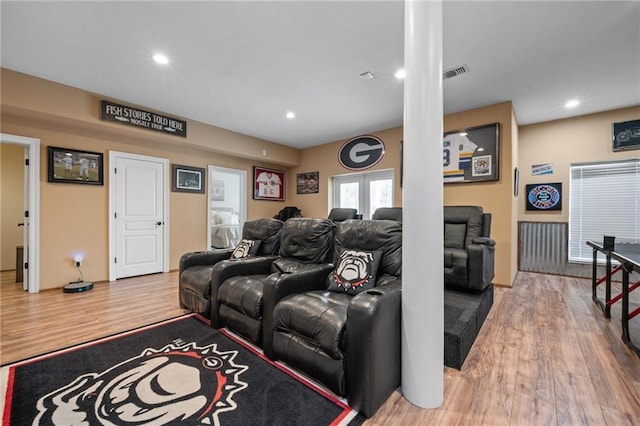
422	253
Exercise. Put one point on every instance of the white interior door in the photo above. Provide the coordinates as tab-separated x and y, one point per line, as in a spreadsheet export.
139	214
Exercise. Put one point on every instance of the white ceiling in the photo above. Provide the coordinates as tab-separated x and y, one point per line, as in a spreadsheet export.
242	65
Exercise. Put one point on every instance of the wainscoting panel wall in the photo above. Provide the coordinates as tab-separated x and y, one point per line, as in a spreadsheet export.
543	247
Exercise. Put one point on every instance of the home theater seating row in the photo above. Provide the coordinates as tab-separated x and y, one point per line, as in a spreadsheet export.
324	296
195	268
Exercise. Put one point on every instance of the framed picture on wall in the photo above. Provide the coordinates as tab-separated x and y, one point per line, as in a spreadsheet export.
74	166
268	184
471	155
307	183
626	135
544	196
187	179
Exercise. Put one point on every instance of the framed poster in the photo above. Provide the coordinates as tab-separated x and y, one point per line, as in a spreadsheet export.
307	183
268	184
471	155
187	179
74	166
626	135
544	196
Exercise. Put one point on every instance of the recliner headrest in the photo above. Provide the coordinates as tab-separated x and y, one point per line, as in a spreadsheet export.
469	216
308	239
372	235
265	230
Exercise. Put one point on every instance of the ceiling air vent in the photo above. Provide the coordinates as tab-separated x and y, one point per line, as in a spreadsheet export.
453	72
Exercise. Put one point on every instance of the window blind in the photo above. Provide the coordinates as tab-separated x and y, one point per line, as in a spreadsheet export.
604	199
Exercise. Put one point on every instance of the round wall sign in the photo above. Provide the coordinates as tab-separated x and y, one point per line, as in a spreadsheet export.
361	152
543	197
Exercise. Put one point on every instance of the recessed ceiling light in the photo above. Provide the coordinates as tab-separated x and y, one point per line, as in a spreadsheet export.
160	58
572	103
290	115
400	74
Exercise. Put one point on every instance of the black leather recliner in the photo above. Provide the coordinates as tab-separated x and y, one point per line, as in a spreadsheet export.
243	294
288	212
468	250
388	213
341	214
350	343
194	279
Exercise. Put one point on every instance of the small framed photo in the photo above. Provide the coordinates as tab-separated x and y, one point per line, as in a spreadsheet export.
74	166
187	179
307	183
268	184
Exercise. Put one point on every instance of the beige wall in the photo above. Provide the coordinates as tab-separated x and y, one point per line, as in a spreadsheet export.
580	139
324	159
12	202
496	197
74	217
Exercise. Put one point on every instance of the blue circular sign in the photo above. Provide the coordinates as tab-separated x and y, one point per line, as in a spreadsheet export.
544	197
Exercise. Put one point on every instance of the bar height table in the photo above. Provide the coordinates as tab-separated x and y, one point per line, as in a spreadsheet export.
628	255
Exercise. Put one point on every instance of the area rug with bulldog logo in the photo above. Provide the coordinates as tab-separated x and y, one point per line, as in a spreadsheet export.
178	372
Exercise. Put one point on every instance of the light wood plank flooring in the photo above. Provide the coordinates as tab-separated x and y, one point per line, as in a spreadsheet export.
546	354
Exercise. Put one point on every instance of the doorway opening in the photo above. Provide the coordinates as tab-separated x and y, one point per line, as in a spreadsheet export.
227	206
31	221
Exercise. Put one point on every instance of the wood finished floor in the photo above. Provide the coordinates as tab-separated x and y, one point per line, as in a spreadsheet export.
545	356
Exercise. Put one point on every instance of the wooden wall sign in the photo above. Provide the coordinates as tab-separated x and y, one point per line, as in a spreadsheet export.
110	111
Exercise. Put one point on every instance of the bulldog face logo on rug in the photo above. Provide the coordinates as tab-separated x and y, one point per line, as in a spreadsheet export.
353	269
175	384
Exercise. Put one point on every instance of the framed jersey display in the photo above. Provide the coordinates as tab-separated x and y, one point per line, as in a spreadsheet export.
268	184
471	155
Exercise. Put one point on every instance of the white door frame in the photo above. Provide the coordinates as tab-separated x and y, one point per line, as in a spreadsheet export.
33	198
112	204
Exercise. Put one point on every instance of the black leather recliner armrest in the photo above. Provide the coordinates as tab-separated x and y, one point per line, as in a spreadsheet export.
308	277
229	268
373	322
204	258
484	240
480	266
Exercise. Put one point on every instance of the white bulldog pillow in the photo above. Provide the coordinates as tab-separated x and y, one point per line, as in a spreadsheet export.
246	248
355	271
